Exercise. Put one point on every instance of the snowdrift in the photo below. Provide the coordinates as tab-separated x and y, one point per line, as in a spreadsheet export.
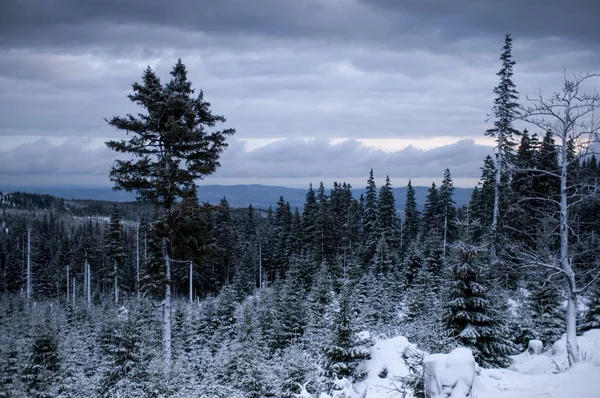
531	375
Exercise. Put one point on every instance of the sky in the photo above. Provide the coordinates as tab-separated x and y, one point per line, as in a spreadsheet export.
317	90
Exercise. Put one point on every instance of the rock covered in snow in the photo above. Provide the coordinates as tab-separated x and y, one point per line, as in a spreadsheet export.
535	347
449	375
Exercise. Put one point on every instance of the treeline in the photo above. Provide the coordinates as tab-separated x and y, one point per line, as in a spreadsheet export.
349	236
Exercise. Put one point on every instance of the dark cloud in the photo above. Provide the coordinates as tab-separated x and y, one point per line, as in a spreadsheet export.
38	22
280	69
574	20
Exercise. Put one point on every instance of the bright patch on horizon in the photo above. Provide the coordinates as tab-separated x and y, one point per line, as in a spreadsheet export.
391	145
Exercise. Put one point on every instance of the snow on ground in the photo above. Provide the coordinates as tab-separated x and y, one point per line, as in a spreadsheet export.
531	376
385	354
544	376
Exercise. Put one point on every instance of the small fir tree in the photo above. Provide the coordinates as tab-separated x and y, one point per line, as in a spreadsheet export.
472	318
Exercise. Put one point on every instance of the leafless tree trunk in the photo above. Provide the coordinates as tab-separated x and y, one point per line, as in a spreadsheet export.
191	282
28	266
166	337
260	264
68	283
88	282
569	117
116	281
137	260
445	234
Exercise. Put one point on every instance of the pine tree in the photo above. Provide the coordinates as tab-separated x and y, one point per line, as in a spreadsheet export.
294	243
369	228
547	317
591	319
172	150
245	369
309	220
505	111
319	310
430	225
292	307
447	211
426	284
224	235
413	262
522	186
411	218
387	219
268	317
282	225
325	244
42	368
472	319
482	200
546	186
125	369
346	350
224	318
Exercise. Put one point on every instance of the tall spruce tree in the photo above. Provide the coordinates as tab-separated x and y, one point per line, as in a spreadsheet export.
411	218
370	219
430	225
324	235
171	149
388	242
447	211
504	112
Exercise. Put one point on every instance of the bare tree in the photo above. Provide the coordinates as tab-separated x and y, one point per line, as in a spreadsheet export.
28	266
569	116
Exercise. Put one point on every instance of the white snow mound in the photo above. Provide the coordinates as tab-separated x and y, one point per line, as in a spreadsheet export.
449	375
546	375
386	357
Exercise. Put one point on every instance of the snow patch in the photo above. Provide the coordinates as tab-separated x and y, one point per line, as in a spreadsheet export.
543	375
546	375
449	375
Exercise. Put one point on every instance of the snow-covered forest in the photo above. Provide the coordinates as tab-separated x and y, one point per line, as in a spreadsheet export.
170	297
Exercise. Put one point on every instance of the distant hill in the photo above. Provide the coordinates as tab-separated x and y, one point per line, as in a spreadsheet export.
263	196
260	196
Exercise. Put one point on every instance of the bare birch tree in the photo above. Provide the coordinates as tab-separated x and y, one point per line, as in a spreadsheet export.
569	116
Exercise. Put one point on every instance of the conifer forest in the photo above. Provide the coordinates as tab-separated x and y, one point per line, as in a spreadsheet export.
171	297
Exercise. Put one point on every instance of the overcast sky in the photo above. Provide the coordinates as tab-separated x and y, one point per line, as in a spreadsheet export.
316	89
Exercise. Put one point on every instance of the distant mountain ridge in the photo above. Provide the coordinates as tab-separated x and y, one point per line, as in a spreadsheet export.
260	196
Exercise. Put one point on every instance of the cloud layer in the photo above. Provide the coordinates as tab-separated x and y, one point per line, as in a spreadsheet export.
302	161
320	69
